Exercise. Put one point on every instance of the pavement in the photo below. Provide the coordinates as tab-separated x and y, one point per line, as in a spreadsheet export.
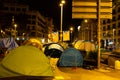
71	73
78	73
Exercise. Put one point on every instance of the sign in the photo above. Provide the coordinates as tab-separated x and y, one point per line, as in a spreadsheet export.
66	35
55	37
88	9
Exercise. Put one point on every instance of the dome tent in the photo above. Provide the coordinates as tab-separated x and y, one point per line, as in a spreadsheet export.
25	61
8	43
71	57
87	48
84	45
53	50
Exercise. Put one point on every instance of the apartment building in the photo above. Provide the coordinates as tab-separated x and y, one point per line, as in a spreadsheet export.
110	28
30	23
88	30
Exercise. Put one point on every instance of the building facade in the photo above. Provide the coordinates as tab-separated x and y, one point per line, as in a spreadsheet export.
88	30
30	23
110	28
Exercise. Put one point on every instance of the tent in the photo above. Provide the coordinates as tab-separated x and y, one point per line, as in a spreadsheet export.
8	43
71	57
25	61
53	50
86	48
84	45
77	44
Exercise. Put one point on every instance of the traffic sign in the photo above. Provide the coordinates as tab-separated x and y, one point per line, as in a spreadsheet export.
89	9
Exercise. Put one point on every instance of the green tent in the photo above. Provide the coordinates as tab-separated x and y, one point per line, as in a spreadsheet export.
25	61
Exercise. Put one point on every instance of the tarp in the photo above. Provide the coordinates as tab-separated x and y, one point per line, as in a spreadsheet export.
25	60
8	43
53	50
71	57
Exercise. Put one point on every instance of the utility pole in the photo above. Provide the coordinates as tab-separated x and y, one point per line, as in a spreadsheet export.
99	39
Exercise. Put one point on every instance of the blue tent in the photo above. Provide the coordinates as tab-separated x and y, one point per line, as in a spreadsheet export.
71	57
8	43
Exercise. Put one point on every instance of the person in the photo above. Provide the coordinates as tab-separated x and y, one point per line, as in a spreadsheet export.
26	60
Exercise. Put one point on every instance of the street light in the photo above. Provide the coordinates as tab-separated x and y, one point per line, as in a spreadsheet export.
85	20
15	26
113	36
79	32
86	30
71	30
61	23
78	28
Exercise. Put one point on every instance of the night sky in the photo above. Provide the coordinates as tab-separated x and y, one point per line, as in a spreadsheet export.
51	8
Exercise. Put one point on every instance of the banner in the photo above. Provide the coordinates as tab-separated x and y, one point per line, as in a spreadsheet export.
55	37
66	35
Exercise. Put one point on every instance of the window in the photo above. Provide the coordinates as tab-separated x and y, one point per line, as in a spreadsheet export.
5	8
24	9
114	18
33	27
104	28
104	22
108	27
118	9
33	17
18	9
108	21
104	34
29	16
118	17
114	32
33	22
12	9
119	25
113	12
119	32
118	39
30	27
113	26
32	33
29	21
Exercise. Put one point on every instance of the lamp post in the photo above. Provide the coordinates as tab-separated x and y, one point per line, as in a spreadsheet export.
86	30
78	28
61	21
71	30
113	36
15	26
78	32
85	20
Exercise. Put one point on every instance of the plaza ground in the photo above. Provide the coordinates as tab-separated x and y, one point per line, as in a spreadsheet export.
71	73
103	73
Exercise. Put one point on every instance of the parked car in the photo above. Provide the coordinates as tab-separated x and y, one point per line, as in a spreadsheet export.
105	54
